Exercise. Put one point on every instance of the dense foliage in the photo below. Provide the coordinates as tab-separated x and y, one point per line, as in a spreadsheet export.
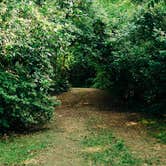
25	67
135	70
44	44
47	45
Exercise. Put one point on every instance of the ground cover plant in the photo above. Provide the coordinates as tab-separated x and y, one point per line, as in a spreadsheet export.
108	150
19	149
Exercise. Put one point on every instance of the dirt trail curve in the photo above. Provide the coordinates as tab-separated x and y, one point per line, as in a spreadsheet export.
80	104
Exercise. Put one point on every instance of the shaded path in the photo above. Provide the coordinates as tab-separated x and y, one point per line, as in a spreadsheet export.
82	105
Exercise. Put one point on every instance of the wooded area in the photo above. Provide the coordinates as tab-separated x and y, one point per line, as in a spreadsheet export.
49	46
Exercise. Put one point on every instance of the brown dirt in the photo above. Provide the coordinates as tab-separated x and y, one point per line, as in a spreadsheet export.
79	107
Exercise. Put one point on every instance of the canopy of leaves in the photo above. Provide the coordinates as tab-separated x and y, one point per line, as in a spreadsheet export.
135	70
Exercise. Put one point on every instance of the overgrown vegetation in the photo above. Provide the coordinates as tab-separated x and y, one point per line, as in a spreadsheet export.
40	40
135	67
25	66
47	45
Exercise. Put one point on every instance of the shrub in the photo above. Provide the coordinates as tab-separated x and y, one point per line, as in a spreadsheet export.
25	67
41	43
135	69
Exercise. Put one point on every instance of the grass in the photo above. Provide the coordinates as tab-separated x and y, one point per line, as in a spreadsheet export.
15	150
156	128
102	148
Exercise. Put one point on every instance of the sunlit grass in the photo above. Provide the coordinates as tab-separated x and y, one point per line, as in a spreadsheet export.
15	150
102	148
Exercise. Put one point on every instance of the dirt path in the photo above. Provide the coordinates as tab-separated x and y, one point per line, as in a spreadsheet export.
81	106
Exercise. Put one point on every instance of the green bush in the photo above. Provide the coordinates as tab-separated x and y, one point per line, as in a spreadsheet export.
45	45
75	44
41	43
81	15
25	67
135	69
